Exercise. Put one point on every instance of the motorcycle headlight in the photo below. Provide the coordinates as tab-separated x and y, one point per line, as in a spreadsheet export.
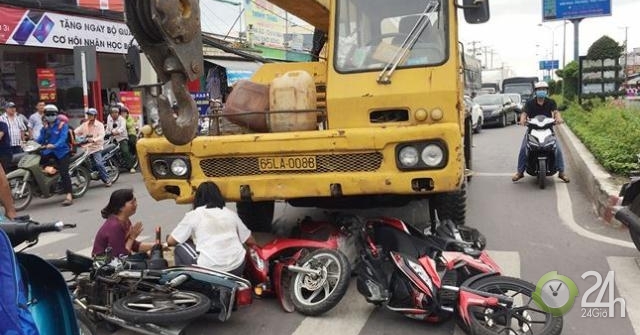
432	155
179	167
408	156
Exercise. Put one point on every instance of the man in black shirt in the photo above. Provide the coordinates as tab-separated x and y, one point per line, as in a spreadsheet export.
540	105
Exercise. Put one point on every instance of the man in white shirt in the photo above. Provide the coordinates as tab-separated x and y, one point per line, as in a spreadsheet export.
35	121
93	131
117	127
17	128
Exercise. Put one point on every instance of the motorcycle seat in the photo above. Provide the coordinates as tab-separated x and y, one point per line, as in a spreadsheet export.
393	240
77	263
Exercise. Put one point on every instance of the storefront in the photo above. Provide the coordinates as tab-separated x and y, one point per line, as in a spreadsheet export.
33	42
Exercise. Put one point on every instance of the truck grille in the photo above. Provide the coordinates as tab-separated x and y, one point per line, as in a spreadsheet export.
248	166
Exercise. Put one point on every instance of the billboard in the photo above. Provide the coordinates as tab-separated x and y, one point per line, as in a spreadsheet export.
548	64
37	28
574	9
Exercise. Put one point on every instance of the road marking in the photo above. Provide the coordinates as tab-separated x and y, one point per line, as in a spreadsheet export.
492	174
349	317
627	273
47	239
565	211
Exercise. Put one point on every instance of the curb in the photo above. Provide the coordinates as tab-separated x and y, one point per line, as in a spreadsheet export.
601	187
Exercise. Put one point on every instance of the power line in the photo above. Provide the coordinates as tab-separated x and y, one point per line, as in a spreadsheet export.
214	14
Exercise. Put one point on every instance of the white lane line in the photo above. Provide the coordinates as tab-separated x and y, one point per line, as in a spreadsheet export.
509	261
46	239
348	318
492	174
565	211
627	273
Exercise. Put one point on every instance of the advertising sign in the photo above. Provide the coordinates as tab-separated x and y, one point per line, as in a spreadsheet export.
46	84
574	9
267	23
549	64
114	5
133	101
202	101
47	29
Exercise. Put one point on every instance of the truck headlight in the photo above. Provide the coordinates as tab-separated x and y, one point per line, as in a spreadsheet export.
432	155
160	168
408	156
179	167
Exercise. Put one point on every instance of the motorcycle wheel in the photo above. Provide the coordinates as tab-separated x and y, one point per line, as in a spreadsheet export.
161	308
85	325
314	295
80	179
20	202
542	174
526	316
112	171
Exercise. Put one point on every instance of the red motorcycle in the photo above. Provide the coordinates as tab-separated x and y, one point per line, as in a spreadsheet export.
306	272
441	274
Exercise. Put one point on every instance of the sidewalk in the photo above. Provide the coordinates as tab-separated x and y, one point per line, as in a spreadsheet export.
602	188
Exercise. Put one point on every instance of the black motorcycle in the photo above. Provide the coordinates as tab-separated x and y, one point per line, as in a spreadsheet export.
108	152
629	212
541	148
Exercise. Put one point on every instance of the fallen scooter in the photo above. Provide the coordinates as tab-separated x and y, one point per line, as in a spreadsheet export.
146	296
29	180
49	302
629	211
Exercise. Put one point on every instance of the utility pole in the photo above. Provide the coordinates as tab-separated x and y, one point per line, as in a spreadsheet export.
626	52
474	49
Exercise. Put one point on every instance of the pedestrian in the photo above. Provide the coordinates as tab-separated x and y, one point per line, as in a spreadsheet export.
93	132
219	233
54	137
117	127
132	129
35	121
17	128
6	153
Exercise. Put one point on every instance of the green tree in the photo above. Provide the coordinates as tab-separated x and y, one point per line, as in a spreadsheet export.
605	48
569	75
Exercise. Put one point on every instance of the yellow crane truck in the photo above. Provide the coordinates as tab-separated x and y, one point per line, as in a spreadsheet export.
390	119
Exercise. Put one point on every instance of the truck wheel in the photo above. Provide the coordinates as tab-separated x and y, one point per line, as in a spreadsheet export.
256	215
452	205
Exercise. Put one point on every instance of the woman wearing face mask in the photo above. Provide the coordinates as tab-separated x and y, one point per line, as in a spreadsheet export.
54	138
541	104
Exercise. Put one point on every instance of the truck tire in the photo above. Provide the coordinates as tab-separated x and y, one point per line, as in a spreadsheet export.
452	206
256	215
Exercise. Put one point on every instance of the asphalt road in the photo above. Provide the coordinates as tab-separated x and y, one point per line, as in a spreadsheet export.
530	232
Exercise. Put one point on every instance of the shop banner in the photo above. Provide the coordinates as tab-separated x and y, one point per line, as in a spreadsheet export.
133	101
46	84
202	101
114	5
47	29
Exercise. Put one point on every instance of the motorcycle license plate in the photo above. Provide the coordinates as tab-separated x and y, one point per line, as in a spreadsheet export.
287	163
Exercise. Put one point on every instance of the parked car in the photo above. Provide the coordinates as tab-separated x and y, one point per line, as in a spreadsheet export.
517	100
497	109
476	113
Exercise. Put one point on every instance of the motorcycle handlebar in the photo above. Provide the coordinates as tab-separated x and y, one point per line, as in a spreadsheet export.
19	232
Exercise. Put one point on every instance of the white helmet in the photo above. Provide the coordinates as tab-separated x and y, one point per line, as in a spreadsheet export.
541	85
51	108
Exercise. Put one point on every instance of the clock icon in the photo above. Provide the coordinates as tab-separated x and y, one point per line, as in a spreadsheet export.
555	293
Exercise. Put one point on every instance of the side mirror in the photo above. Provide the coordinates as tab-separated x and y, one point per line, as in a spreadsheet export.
133	65
475	11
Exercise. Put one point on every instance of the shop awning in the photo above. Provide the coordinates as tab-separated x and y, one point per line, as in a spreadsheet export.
236	69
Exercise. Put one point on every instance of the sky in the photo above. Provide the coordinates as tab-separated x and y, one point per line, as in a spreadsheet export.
517	40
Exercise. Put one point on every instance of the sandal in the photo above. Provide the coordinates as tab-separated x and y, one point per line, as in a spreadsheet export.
67	202
517	176
563	177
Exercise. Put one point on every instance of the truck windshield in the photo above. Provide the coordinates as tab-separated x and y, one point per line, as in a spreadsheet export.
371	32
522	89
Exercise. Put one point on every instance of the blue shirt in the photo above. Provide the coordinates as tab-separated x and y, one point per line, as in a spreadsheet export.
56	134
5	142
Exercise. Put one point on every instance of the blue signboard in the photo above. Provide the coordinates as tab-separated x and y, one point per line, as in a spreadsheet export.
574	9
549	64
202	101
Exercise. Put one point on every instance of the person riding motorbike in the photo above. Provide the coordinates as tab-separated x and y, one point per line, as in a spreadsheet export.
117	126
54	137
540	105
93	131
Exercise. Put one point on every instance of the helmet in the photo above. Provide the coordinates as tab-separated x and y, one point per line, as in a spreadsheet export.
92	111
51	108
122	107
541	85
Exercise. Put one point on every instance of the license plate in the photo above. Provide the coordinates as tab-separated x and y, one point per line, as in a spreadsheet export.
287	163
